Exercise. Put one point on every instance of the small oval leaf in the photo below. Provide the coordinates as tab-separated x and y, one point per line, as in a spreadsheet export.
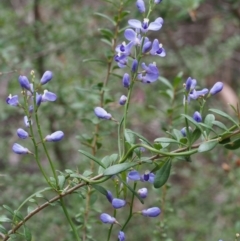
162	174
207	146
118	168
233	145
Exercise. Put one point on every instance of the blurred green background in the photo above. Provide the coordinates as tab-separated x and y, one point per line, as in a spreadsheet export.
202	40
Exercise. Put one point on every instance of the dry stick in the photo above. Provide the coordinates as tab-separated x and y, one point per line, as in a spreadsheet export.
46	204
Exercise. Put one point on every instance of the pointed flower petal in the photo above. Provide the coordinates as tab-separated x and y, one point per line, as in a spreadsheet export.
18	149
151	212
47	76
102	114
12	100
118	203
24	82
48	96
216	88
22	133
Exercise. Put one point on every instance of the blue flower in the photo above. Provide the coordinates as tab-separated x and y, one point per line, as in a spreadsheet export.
134	175
102	114
141	6
157	1
24	82
197	116
217	87
195	94
109	196
146	45
118	203
151	212
126	80
121	60
47	76
122	100
134	65
12	100
143	192
157	49
106	218
27	121
54	137
121	236
18	149
144	26
22	133
48	96
150	73
132	36
148	177
38	99
190	84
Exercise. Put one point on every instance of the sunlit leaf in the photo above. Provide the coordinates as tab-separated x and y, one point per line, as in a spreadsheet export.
207	146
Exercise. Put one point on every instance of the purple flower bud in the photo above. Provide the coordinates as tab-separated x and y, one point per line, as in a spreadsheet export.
141	6
102	114
157	1
197	116
126	80
38	99
216	88
143	192
18	149
134	175
121	236
12	100
146	47
48	96
118	203
30	109
122	100
151	212
190	84
23	81
134	66
106	218
27	122
47	76
55	136
109	196
22	133
184	131
151	177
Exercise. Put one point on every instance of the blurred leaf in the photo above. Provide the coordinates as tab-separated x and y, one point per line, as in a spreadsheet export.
8	209
93	198
177	80
94	60
61	181
17	216
166	82
192	121
223	114
209	122
27	233
166	140
207	146
118	168
106	17
99	188
129	136
30	209
178	135
92	158
233	145
3	230
162	174
195	135
140	136
220	125
4	219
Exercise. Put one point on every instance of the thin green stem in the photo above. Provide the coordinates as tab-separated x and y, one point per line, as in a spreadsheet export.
69	220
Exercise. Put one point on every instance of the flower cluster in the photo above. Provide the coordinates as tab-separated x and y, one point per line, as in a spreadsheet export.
32	100
118	203
192	94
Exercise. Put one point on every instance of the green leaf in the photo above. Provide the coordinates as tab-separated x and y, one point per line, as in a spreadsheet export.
8	209
162	174
94	60
140	136
207	146
92	158
195	135
223	114
3	230
129	136
27	234
233	145
166	140
100	189
220	125
18	216
177	134
61	181
4	219
118	168
177	80
106	17
107	161
166	82
209	122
